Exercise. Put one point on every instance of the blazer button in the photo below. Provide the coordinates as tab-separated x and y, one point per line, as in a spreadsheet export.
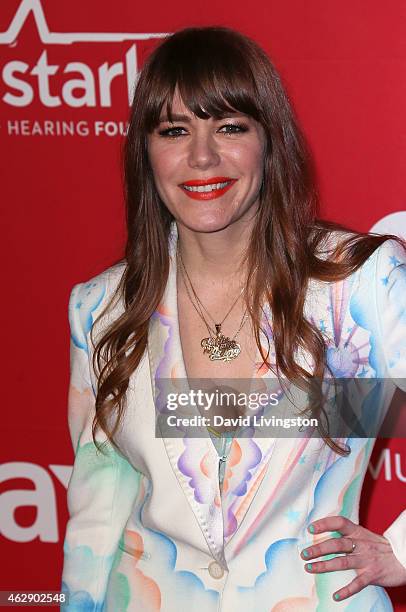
215	570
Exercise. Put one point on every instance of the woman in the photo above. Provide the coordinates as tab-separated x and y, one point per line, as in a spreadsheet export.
228	273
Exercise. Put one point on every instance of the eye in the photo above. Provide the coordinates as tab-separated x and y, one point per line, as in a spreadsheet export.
172	132
234	128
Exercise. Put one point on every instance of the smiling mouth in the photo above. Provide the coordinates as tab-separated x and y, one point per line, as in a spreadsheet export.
207	191
206	188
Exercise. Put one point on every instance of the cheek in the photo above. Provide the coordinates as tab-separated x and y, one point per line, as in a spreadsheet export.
257	157
161	166
250	159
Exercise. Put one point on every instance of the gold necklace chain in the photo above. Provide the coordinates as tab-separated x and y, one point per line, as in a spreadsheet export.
201	305
196	306
218	347
200	302
199	312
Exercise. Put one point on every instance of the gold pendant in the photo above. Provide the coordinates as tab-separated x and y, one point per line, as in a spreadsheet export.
220	348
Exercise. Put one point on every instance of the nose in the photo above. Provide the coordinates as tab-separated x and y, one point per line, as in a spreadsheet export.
203	151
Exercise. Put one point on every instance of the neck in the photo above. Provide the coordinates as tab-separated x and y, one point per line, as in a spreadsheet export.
215	259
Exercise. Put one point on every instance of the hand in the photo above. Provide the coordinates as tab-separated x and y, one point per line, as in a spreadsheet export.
373	557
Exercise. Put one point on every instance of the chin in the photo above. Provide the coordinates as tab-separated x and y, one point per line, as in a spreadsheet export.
205	223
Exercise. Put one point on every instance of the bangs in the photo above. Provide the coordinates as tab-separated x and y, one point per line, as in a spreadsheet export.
212	75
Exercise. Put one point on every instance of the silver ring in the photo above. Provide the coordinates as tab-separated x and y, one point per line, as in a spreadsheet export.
353	545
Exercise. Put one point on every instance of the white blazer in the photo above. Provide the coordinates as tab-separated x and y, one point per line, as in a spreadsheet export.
149	529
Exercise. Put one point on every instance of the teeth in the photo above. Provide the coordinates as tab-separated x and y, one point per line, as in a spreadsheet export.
206	188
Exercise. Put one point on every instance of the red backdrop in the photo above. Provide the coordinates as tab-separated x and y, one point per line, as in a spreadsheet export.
66	74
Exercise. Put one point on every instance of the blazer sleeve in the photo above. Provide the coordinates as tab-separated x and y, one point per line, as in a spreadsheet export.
103	486
390	303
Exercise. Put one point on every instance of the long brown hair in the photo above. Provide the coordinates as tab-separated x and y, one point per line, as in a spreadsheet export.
218	69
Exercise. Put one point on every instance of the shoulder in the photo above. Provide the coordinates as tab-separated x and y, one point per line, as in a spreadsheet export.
390	255
390	252
378	304
96	298
378	290
384	266
374	277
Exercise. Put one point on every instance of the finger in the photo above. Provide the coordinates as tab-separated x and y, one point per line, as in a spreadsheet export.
332	545
355	586
344	562
333	523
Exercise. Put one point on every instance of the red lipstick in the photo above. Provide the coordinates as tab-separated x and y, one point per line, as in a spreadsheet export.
226	182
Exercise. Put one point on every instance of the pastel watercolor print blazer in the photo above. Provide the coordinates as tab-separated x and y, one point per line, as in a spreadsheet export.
149	529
